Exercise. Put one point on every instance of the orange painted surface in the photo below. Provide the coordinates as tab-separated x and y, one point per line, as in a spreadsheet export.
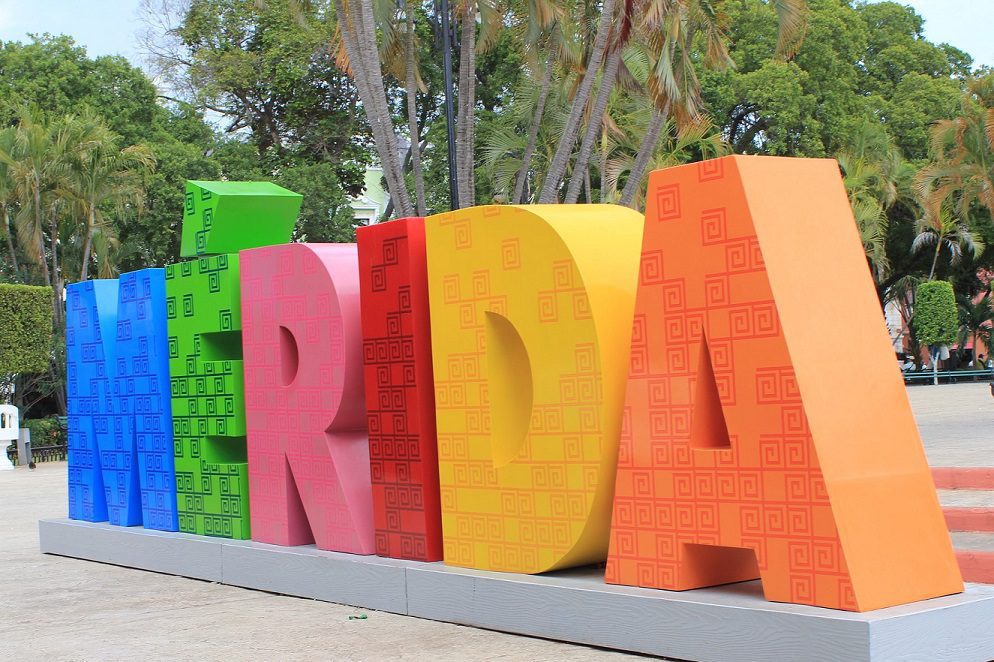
963	478
767	432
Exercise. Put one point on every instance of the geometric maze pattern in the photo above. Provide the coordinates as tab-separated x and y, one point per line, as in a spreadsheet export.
203	310
91	309
308	449
396	335
226	217
719	477
142	392
530	326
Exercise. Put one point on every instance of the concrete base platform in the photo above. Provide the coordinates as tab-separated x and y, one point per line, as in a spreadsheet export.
728	623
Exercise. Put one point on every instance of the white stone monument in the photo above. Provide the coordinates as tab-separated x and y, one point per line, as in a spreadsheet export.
9	425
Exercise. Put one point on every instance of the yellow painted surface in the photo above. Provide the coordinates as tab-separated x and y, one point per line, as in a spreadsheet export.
531	316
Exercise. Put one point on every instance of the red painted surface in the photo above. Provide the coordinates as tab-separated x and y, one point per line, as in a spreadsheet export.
976	567
963	478
970	519
400	393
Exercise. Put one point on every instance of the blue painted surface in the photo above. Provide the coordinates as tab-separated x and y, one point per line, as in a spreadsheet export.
91	316
142	390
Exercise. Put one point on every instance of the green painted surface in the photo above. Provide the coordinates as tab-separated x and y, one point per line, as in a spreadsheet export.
226	217
203	301
203	308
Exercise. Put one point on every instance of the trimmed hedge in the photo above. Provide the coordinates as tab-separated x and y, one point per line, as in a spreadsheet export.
936	317
25	328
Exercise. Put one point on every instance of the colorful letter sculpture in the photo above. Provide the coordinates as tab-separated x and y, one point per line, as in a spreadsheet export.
91	313
120	442
523	389
254	214
767	431
205	366
531	312
400	398
205	347
308	449
142	392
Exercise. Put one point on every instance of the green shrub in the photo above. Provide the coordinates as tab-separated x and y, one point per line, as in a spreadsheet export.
25	328
936	317
47	431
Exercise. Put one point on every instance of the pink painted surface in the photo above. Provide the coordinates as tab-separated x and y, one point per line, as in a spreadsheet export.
308	451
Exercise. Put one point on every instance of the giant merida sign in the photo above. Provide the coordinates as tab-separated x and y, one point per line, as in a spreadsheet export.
701	396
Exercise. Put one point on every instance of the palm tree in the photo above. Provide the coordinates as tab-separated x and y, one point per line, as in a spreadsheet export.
412	83
674	86
359	58
876	177
962	170
564	149
100	174
35	162
539	32
976	317
941	228
544	87
696	137
595	124
398	51
466	104
8	197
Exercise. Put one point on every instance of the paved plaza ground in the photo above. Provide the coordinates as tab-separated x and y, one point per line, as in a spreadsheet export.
65	609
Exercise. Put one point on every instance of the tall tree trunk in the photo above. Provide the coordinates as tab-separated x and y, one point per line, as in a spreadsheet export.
466	133
359	38
411	85
935	257
594	124
57	282
84	273
646	150
40	224
560	160
586	185
543	96
371	58
603	166
10	238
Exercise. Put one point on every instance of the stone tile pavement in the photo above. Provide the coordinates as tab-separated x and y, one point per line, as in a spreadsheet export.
56	608
956	423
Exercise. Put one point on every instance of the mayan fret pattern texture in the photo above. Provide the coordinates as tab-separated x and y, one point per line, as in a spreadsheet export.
733	465
253	214
205	366
308	450
530	317
91	309
400	398
142	392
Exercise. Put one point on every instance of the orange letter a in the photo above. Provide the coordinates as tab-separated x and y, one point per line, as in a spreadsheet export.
767	432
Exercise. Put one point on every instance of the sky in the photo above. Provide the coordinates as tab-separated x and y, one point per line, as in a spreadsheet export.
108	27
